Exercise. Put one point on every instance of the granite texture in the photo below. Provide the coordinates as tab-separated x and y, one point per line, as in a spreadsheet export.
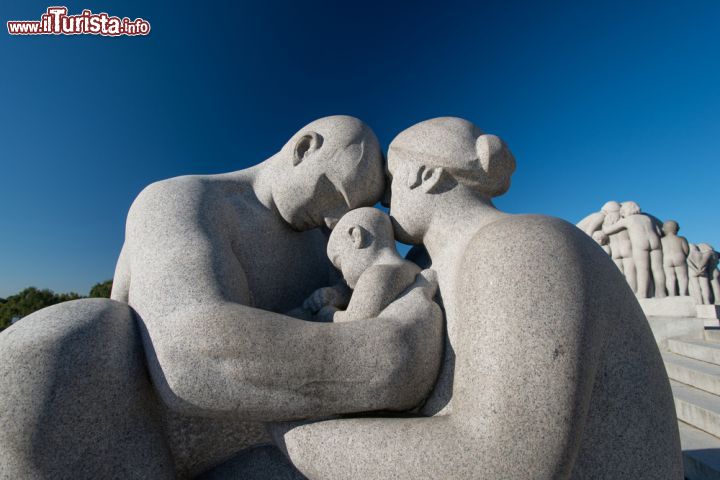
545	366
261	462
655	260
75	397
362	247
550	371
208	264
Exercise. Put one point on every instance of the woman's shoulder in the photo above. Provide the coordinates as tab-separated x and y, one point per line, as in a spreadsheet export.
533	245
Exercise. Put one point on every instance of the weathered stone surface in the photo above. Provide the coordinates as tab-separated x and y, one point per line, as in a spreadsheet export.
548	352
669	307
263	462
209	263
548	360
76	400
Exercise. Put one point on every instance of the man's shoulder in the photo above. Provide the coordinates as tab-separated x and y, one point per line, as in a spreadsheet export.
185	194
185	203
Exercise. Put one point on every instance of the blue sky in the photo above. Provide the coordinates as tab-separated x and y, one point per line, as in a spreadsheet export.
598	101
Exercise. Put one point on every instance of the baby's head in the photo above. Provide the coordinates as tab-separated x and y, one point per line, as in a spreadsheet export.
358	240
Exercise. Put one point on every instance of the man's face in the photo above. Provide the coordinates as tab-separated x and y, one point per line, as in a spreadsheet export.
310	194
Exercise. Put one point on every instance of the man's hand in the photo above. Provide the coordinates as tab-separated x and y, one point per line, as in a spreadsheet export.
336	296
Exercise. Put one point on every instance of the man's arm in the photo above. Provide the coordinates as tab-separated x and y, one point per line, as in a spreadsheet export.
591	223
615	227
210	354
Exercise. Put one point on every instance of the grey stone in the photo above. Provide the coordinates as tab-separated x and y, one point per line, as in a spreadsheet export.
700	262
675	253
208	265
647	252
548	352
666	328
708	311
262	462
362	247
75	397
669	306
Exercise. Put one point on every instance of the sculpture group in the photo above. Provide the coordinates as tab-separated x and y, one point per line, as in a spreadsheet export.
233	348
656	261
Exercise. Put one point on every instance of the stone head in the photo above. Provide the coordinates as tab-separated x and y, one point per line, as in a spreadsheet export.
629	208
357	240
705	247
329	167
600	237
437	156
611	206
671	227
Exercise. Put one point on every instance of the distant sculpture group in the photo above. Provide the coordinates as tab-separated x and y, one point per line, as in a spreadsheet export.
655	261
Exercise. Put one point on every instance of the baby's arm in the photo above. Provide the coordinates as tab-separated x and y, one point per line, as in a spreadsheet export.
377	288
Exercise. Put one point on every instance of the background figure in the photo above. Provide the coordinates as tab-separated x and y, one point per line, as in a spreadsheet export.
621	248
594	221
602	240
714	275
675	253
699	260
646	248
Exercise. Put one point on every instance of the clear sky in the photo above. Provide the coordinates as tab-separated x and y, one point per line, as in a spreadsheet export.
598	101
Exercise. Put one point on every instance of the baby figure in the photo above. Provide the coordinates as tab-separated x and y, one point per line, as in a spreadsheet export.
362	247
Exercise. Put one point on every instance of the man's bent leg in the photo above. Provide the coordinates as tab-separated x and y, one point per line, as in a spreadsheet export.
75	397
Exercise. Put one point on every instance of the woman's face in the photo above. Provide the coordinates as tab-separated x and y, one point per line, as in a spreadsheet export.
408	216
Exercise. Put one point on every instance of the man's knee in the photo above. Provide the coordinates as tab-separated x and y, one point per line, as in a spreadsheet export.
73	388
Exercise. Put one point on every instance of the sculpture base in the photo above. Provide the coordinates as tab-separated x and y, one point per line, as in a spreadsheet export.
708	311
669	307
664	328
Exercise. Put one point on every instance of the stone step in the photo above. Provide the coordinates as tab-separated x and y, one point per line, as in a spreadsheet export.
712	334
698	349
701	453
698	374
697	408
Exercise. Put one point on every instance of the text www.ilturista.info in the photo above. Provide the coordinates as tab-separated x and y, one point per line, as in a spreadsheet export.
56	21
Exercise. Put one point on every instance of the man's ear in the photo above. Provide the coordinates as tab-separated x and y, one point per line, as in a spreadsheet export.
359	236
430	179
306	145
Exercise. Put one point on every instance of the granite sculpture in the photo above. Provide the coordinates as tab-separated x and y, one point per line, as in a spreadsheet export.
675	252
362	247
702	266
646	249
547	351
655	261
541	358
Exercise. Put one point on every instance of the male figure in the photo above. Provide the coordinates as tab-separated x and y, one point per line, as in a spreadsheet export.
715	276
646	248
549	352
699	260
602	240
675	251
207	262
620	246
362	247
594	221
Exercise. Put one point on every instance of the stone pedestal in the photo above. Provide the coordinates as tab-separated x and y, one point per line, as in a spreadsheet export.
669	307
708	311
